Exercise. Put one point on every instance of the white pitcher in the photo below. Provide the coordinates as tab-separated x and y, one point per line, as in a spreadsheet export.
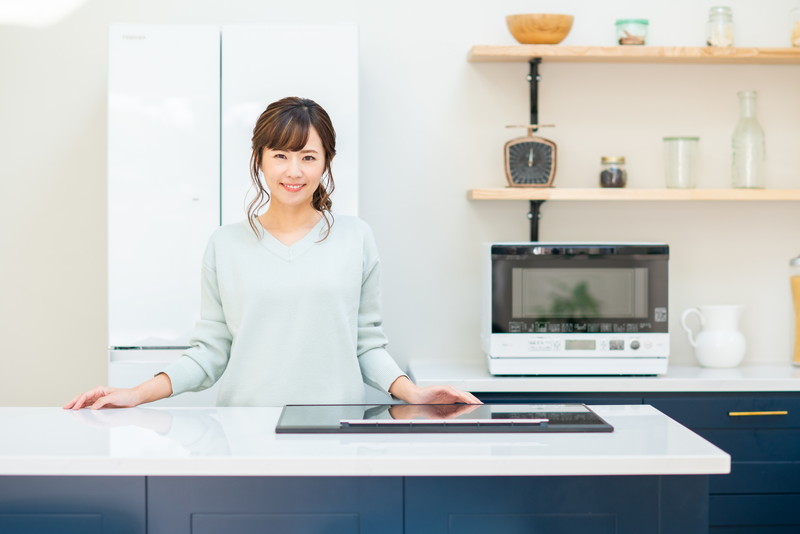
719	343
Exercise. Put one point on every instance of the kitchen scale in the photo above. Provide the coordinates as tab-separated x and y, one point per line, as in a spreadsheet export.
530	161
438	418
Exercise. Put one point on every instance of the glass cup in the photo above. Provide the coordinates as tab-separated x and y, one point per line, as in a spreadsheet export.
680	161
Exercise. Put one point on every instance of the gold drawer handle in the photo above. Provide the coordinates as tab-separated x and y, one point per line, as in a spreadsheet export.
740	414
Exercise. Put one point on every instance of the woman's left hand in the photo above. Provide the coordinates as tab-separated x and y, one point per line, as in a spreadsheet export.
405	390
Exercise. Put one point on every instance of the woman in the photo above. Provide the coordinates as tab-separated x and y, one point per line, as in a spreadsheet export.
290	309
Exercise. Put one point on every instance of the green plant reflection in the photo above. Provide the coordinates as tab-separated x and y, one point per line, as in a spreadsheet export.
575	302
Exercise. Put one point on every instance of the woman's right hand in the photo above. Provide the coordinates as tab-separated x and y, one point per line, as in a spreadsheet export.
158	387
105	397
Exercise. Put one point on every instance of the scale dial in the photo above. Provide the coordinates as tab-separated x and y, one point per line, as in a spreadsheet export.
530	162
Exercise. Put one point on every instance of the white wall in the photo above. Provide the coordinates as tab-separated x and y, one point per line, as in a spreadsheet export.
432	126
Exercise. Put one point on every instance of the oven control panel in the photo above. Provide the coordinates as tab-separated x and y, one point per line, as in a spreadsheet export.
585	345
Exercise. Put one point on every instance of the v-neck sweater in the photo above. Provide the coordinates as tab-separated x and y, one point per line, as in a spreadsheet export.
298	324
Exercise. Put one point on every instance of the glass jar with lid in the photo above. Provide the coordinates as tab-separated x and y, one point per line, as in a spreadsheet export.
613	172
632	31
719	29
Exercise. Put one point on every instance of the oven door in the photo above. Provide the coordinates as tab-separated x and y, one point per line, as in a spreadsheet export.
579	288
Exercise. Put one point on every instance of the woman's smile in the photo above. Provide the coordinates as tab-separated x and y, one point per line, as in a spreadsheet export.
293	188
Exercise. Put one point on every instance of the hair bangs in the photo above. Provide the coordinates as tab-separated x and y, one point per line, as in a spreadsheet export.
290	134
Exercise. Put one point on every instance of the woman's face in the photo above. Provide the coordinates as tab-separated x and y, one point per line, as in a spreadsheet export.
292	177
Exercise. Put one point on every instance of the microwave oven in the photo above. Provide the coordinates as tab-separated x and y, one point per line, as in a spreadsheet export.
575	308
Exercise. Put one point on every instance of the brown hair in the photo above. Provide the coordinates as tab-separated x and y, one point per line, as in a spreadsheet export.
285	125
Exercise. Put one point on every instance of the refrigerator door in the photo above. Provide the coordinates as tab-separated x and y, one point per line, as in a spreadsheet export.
163	177
263	63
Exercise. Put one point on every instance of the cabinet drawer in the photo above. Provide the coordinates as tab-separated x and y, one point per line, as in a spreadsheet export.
755	510
756	445
732	411
758	477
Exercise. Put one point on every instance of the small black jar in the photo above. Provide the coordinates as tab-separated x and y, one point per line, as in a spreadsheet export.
613	173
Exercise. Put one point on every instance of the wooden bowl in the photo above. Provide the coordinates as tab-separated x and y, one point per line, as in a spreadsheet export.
539	28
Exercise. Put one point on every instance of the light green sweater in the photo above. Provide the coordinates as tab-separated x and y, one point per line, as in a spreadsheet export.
288	325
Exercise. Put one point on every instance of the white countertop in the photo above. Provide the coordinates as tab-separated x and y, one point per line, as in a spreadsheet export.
242	441
476	378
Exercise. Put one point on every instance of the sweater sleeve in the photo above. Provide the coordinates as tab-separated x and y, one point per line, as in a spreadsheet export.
205	361
378	368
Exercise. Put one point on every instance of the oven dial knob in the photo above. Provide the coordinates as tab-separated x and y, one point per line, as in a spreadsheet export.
635	344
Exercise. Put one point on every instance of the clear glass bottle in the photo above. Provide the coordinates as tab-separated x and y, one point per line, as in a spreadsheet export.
719	29
794	18
748	145
794	280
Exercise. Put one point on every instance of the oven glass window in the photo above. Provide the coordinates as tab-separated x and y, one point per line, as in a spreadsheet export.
572	293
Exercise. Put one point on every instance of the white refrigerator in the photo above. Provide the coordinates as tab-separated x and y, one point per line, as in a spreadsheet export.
182	103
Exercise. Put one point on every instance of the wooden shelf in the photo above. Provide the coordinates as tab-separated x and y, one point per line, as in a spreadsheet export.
635	54
623	194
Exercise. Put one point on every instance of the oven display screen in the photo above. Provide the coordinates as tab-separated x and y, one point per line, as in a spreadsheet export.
595	293
580	344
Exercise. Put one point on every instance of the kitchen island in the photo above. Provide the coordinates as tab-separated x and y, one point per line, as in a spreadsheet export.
209	470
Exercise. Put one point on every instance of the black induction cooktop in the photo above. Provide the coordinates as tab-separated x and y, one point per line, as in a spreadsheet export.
439	418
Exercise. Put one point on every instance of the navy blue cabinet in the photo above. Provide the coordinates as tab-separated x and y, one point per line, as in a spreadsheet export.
297	505
72	505
427	505
556	505
761	432
354	505
200	505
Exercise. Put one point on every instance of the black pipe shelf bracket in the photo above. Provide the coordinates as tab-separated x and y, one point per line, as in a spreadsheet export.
534	79
534	215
